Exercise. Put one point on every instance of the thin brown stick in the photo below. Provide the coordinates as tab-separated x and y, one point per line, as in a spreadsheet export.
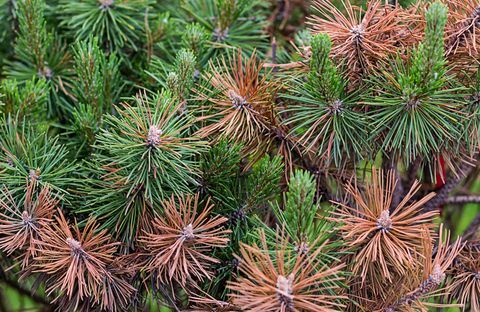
412	173
452	182
463	199
22	291
472	228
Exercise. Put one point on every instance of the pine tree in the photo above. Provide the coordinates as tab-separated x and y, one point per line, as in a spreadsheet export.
239	155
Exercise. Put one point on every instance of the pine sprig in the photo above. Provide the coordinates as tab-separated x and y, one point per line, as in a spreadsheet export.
220	167
239	103
96	87
97	81
27	99
144	155
229	24
33	40
117	24
177	77
324	114
28	155
154	132
40	53
415	107
302	217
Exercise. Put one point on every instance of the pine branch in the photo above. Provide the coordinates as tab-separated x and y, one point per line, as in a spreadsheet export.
452	182
23	291
428	285
412	173
411	112
390	164
470	232
463	199
3	307
274	54
323	116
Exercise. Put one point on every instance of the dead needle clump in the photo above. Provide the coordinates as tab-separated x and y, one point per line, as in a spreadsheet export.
242	106
385	239
284	280
20	227
182	240
363	38
436	261
76	264
464	277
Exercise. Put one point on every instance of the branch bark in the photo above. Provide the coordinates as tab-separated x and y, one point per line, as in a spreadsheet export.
412	174
22	291
463	199
4	279
451	183
390	163
472	229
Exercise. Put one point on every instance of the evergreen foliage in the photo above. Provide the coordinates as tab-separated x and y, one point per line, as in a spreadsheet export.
325	113
239	155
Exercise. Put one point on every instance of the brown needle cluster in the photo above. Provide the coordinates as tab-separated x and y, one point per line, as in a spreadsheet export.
77	266
464	277
20	225
181	243
386	239
425	281
362	38
462	30
395	263
284	280
242	104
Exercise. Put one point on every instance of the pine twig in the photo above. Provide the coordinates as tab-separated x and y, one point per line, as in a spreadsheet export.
390	164
463	199
274	54
469	233
431	283
412	173
3	307
448	187
22	291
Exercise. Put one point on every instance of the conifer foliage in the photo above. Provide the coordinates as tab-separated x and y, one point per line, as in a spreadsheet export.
239	155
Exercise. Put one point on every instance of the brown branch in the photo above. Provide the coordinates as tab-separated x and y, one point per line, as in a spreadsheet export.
274	54
389	163
472	229
463	199
22	291
452	182
428	285
412	174
3	307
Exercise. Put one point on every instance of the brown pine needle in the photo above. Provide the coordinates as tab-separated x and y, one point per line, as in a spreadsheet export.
462	30
20	226
76	263
284	280
182	241
464	278
242	106
386	240
363	38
